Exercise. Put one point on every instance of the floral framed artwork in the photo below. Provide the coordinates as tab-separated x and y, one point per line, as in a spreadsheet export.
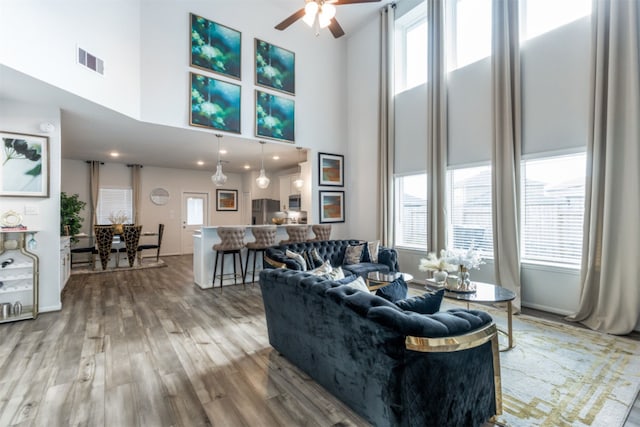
215	104
215	47
275	117
24	165
275	67
331	169
331	206
226	200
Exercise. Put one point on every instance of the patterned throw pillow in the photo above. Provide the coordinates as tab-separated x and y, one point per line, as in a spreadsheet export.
353	254
274	263
424	304
313	259
335	274
322	270
298	257
372	249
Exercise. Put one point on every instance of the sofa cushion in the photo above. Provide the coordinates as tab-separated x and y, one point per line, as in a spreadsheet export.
347	279
313	258
358	283
365	268
371	252
322	270
424	304
394	291
336	273
298	258
389	257
353	254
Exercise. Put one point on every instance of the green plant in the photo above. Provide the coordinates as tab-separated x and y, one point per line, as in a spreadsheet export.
70	207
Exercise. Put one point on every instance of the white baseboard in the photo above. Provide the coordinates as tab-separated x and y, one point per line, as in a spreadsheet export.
49	308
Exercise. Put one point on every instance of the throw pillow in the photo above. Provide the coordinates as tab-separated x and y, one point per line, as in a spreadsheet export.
358	283
372	250
299	258
353	254
424	304
323	269
394	291
313	259
335	274
274	263
348	279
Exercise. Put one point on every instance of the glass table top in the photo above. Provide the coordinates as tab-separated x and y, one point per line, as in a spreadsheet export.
485	292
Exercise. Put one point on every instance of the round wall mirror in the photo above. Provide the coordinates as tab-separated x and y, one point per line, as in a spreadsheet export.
159	196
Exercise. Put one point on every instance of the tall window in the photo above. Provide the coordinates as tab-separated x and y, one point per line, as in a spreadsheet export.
114	201
411	211
470	32
553	209
411	49
469	200
541	16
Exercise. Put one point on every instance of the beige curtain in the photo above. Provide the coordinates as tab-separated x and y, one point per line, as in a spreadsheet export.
506	149
136	190
610	298
436	127
386	129
94	188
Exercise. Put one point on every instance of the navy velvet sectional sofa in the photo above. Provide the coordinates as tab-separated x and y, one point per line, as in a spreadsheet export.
393	367
334	251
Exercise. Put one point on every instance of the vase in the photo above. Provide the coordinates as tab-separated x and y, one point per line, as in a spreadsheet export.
464	281
440	276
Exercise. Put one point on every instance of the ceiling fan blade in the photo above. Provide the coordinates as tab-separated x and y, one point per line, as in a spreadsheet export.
290	20
335	28
341	2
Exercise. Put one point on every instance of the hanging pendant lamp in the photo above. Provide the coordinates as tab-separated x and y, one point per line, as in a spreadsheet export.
219	178
262	181
299	182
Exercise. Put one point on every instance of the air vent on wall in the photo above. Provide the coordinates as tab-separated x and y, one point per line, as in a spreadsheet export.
90	61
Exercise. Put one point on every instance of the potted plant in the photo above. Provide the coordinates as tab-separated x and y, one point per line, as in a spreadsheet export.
438	265
70	219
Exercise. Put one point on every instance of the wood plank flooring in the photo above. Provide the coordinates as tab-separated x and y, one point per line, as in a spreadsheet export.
149	348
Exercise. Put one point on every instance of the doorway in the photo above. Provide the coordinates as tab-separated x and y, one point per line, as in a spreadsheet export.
195	215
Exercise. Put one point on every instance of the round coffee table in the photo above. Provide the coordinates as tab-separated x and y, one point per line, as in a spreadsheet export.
485	293
377	280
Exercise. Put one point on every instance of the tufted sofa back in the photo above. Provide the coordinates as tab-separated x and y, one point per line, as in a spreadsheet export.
332	250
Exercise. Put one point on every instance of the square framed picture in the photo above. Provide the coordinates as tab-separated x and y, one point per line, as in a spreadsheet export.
215	104
226	200
331	206
215	47
275	67
24	165
275	117
331	169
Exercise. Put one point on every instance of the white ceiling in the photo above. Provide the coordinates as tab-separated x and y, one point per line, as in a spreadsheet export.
90	131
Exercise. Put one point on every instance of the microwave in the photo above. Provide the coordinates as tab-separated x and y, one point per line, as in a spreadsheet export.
294	202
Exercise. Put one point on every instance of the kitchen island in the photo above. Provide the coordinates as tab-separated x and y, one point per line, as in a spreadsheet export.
204	255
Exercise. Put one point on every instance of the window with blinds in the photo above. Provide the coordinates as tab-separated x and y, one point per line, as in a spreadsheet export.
113	202
411	211
469	200
553	208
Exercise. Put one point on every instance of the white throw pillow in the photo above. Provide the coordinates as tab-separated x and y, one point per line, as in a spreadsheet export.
358	284
297	257
325	268
373	248
335	274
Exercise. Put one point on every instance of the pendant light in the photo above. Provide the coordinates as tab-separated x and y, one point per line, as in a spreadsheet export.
299	182
262	181
219	178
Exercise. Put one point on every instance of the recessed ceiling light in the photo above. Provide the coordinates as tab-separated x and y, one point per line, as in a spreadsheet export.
114	154
247	167
223	151
276	157
200	162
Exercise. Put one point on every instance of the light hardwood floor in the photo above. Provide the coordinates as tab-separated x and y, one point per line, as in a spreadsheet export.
149	348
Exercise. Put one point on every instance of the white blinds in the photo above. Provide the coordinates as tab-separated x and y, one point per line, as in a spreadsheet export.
412	212
114	201
553	209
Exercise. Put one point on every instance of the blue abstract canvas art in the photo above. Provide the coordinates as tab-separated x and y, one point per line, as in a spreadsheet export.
215	104
275	67
275	116
215	47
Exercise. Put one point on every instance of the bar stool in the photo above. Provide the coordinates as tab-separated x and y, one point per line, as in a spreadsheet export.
322	231
265	236
296	233
231	242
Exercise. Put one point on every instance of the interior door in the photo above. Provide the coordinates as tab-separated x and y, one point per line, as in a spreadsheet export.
195	214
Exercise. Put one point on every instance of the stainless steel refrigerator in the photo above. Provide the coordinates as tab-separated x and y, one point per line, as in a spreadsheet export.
263	210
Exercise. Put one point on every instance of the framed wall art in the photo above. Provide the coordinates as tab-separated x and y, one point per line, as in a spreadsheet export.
275	117
24	165
226	200
331	206
215	47
275	67
331	169
214	104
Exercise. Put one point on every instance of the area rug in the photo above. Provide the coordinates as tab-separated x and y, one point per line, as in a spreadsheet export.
99	270
562	375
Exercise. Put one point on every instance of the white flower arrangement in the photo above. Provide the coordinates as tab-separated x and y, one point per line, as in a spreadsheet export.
119	217
469	258
434	263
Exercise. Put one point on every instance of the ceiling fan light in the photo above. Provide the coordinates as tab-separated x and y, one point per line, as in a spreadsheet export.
328	10
310	11
262	181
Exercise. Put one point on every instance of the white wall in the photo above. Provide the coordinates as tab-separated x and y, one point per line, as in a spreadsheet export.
26	118
40	38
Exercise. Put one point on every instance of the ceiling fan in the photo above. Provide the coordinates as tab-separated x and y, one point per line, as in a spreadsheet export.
321	14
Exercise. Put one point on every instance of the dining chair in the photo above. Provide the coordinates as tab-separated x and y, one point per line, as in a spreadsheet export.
155	246
104	243
131	234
